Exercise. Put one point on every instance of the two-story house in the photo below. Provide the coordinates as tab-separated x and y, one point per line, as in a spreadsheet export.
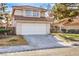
29	20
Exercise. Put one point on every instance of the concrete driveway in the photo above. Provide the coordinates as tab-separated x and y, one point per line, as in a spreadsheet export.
43	41
36	42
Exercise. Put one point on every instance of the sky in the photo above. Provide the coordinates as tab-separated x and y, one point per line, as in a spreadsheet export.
42	5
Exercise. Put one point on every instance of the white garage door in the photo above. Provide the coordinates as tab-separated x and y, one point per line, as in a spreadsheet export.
30	29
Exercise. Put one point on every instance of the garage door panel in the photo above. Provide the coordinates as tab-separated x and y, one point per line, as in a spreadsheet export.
33	29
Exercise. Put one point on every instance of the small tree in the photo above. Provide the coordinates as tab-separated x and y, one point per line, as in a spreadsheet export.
73	14
61	11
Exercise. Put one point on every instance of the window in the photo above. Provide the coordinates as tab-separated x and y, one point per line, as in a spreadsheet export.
31	13
35	13
28	13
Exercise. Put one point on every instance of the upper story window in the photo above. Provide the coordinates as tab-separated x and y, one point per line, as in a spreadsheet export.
36	14
28	13
31	13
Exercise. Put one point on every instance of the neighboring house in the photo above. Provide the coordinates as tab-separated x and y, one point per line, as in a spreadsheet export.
74	6
29	20
68	24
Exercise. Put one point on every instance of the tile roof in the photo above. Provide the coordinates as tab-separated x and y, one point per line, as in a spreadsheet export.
29	8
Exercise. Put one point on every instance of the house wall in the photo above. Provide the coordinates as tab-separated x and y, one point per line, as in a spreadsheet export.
42	14
13	22
18	28
18	12
25	21
71	27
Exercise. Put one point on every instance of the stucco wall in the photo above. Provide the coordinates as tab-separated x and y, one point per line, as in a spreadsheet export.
18	12
71	27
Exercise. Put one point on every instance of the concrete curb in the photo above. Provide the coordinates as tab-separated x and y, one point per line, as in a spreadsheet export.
62	42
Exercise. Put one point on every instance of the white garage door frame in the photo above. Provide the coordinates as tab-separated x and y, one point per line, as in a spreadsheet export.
32	28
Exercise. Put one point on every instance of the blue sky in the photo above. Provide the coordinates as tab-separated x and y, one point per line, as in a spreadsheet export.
43	5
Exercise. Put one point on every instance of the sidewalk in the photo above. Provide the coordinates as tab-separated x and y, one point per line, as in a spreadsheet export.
47	52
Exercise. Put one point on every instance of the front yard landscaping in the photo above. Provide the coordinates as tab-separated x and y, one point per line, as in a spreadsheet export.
68	38
12	41
71	37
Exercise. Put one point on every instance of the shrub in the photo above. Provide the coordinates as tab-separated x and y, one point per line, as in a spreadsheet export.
73	31
4	31
63	30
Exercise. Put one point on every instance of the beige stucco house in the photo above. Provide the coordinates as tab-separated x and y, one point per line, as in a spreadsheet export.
29	20
68	24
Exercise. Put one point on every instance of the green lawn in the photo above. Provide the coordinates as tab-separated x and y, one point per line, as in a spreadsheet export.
68	37
76	36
